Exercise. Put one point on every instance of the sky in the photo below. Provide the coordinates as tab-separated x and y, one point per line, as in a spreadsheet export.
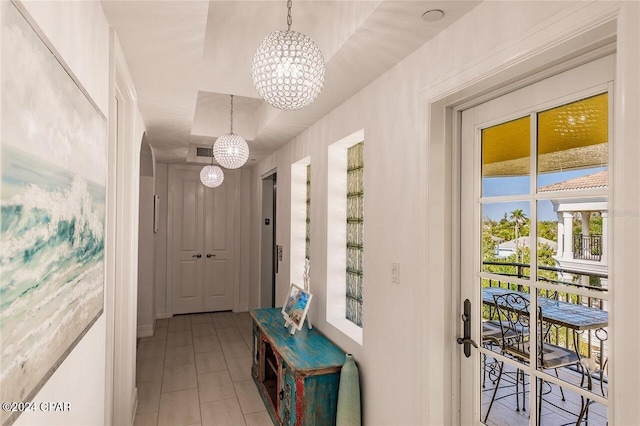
519	185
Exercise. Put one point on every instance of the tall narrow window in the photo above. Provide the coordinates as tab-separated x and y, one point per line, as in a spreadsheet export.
345	162
355	231
300	251
307	246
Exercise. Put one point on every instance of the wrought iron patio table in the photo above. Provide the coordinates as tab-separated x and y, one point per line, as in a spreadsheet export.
571	315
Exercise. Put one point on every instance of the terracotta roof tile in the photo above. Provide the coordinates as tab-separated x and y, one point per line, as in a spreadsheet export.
595	180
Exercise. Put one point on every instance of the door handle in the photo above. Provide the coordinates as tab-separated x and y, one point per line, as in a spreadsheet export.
197	255
466	322
210	255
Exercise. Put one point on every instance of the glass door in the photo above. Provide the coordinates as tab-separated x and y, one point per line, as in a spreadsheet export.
534	232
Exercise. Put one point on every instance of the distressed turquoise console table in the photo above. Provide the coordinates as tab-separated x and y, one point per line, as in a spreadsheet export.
296	375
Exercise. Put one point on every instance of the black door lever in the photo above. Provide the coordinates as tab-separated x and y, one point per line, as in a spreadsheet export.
466	322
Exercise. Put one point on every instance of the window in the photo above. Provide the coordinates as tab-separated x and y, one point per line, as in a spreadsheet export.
355	230
307	246
300	219
345	214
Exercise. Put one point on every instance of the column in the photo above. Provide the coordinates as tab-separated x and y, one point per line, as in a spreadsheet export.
568	234
560	251
605	236
586	221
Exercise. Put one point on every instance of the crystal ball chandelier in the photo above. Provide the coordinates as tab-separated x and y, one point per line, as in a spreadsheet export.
231	151
288	68
211	176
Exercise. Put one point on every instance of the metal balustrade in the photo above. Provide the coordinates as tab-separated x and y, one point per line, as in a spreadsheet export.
593	343
587	247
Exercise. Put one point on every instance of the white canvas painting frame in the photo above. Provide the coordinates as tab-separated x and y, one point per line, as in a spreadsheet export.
53	172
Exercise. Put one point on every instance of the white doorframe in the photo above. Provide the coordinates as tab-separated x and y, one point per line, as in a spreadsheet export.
587	27
122	243
592	78
267	243
261	196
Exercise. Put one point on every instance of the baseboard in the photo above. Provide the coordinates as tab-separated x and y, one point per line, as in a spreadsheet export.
243	309
135	404
162	315
145	331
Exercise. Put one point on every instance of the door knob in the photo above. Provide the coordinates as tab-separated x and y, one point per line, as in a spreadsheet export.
210	255
197	255
465	341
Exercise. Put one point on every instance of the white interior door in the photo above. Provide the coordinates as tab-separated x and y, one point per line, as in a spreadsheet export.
534	221
187	225
219	223
202	235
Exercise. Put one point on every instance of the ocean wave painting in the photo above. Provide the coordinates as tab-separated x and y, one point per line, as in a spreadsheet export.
52	200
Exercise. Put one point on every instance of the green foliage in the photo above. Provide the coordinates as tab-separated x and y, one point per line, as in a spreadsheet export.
494	233
548	229
595	224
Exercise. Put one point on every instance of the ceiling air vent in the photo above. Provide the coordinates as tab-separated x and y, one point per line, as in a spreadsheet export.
203	152
199	154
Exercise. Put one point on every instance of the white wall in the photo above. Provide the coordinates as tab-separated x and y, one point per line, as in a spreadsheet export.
146	255
409	384
127	130
255	239
624	216
160	240
245	238
146	245
79	34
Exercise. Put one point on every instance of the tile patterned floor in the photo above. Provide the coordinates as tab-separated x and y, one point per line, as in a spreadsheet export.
196	370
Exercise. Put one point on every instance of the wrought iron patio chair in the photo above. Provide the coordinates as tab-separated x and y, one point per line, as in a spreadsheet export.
595	366
513	311
492	336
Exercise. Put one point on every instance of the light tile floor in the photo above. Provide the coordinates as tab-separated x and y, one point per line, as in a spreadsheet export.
196	370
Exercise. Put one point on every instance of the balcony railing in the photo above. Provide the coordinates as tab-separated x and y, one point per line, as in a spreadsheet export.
587	247
594	342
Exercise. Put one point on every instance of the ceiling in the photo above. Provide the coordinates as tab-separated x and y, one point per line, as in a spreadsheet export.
568	137
187	57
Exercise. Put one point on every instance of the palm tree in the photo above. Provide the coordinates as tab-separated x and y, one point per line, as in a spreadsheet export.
520	218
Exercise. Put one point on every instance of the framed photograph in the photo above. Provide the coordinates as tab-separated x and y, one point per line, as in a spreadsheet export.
296	306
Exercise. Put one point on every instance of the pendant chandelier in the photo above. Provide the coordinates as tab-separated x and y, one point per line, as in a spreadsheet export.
288	68
211	175
231	150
